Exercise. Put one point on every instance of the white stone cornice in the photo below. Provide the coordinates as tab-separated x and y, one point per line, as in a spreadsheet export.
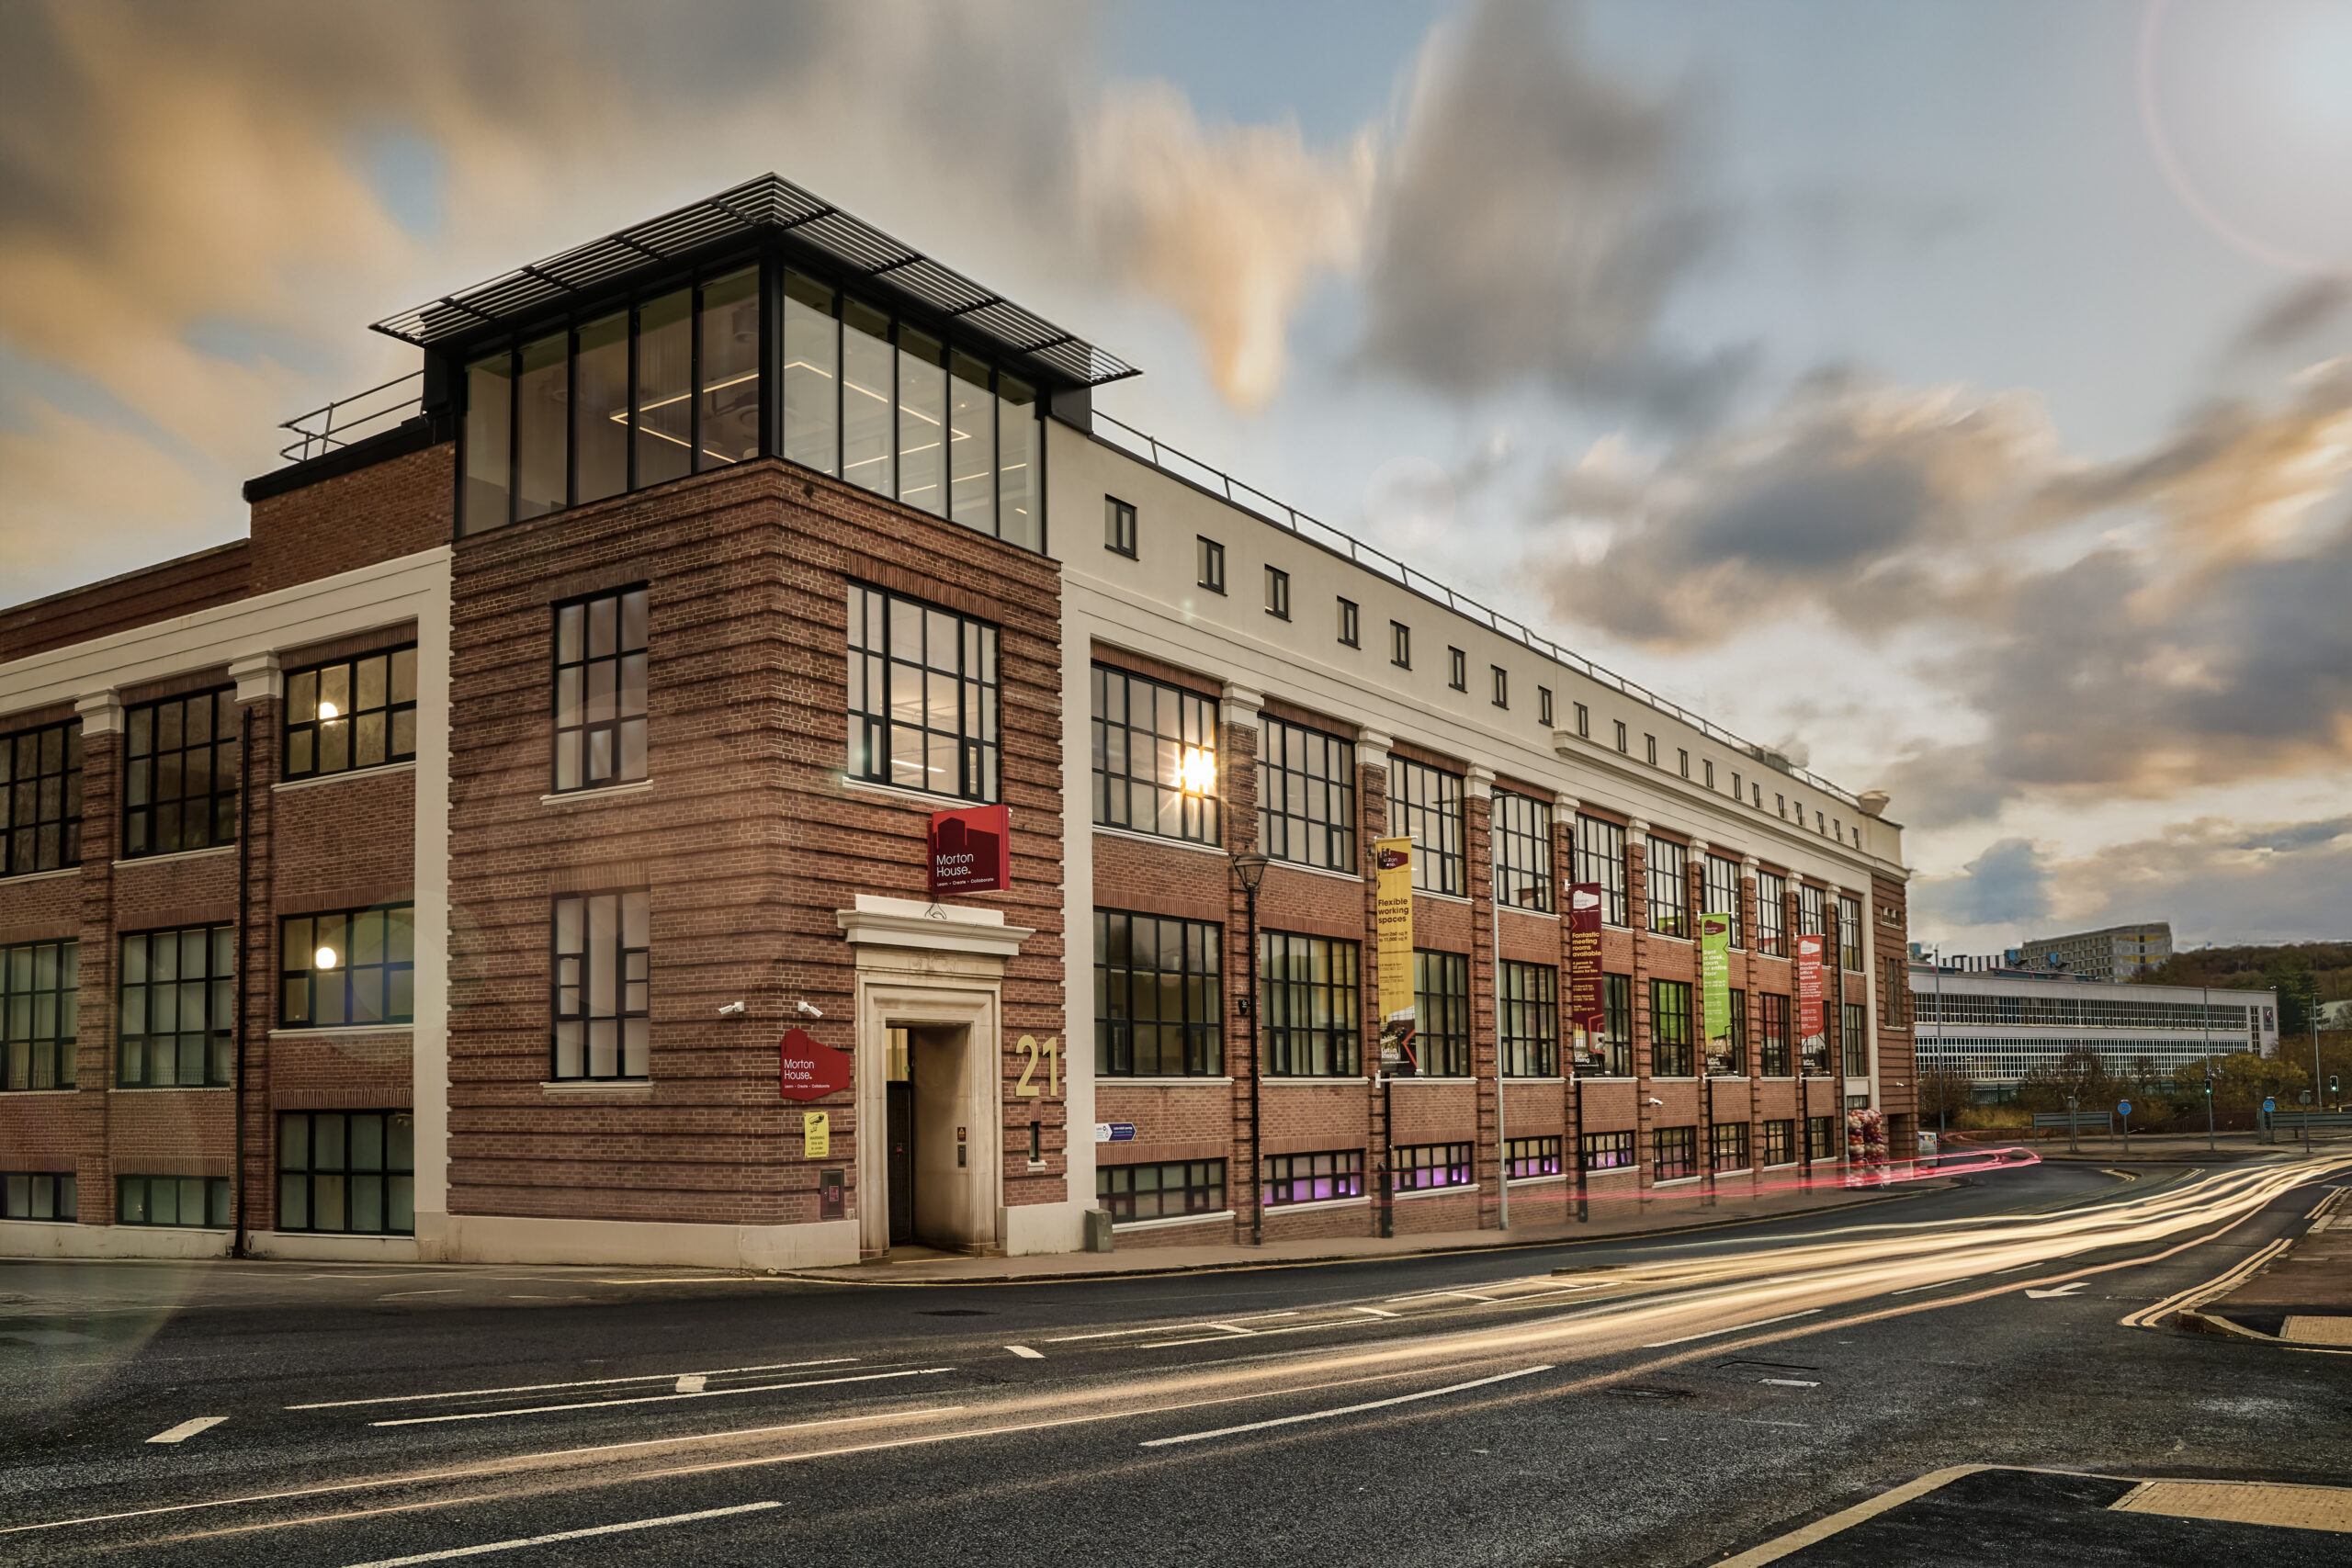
1482	781
1371	748
1699	846
1564	803
258	677
1637	831
1748	866
101	714
944	928
1242	705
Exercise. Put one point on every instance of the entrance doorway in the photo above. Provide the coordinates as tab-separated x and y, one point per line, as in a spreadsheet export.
930	1124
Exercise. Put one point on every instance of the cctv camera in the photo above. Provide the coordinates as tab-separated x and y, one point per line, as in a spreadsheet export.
1656	1100
732	1009
808	1011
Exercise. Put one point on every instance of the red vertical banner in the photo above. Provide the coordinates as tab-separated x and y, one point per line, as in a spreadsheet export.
1587	1009
1809	956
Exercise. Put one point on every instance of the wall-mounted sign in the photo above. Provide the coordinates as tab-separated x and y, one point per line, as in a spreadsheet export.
806	1070
1115	1132
1588	1008
1714	985
971	851
1809	956
1392	922
816	1135
832	1195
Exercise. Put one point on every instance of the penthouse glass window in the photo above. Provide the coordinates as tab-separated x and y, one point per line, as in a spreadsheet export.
1530	1020
348	1171
1668	869
1854	1037
1425	804
1617	1026
1441	1013
1306	796
1771	914
1160	1191
1159	996
600	690
1670	1029
922	696
1606	1151
602	985
41	1195
41	798
1154	757
1728	1146
39	1013
192	1203
357	967
1781	1140
180	773
179	1007
1422	1167
351	714
1118	527
1308	1005
1351	619
1600	858
1723	895
1312	1179
1524	1157
1522	852
1849	933
1677	1153
1772	1017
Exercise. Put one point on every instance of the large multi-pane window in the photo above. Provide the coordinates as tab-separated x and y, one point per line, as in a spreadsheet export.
1772	1016
1727	1045
1159	999
1164	1190
1854	1037
1425	805
1849	932
922	696
600	690
180	773
1600	858
1771	914
1522	852
1727	1144
1605	1151
1308	1005
355	713
40	1195
1154	757
1677	1153
347	1170
1617	1025
1306	796
1670	1055
1668	865
1420	1167
1524	1157
1723	895
1821	1137
179	1007
1813	914
1781	1140
354	967
1311	1178
192	1201
39	1013
1530	1020
603	976
1441	1013
41	798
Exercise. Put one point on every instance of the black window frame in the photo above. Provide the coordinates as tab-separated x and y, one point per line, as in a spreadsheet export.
144	805
1771	914
1283	1175
976	675
394	927
1780	1141
1521	826
41	798
1414	1165
632	988
577	729
1525	1159
1199	992
1854	1039
40	1045
1289	758
1441	1015
1119	526
1199	813
1820	1136
1674	1153
1277	592
1351	623
24	1193
1728	1146
305	691
1849	933
395	1184
1721	878
1606	1151
1209	556
1332	1048
1600	858
1201	1190
216	1201
1502	685
1776	1044
1666	875
1733	1063
1529	1035
1624	740
1457	669
1441	866
1616	1028
1584	721
1543	707
1400	644
217	1034
1673	1053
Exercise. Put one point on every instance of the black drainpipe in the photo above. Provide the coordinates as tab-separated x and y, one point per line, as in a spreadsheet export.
245	961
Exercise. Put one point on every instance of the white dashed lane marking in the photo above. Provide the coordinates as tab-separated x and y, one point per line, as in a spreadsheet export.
187	1430
1025	1353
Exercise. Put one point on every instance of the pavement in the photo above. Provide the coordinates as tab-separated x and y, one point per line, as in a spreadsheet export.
2297	1295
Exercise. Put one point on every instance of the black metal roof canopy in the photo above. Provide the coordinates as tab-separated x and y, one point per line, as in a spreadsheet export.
768	205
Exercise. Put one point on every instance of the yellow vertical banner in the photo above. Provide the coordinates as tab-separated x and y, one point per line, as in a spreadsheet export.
1393	928
816	1135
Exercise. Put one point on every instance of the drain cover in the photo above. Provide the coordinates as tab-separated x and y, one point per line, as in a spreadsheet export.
1637	1390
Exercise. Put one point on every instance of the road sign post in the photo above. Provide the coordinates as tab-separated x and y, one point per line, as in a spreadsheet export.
2123	1109
2073	1147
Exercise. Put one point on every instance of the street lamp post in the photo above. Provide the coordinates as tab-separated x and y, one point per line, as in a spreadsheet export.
1249	871
2311	1006
1940	1049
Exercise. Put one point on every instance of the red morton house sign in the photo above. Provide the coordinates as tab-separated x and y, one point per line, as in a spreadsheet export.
971	851
811	1071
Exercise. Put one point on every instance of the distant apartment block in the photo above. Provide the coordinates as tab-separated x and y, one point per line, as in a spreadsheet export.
2116	952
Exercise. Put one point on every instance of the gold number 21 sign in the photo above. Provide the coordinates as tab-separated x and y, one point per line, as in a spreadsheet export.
1052	1052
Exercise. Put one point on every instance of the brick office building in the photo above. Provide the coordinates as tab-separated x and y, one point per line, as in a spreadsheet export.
381	884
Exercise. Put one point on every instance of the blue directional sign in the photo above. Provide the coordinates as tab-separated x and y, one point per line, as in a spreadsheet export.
2124	1107
1115	1132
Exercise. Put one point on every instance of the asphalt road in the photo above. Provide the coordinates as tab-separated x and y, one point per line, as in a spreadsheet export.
1667	1400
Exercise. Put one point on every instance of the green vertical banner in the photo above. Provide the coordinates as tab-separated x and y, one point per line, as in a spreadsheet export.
1714	983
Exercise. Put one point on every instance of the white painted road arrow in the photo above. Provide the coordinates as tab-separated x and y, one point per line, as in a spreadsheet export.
2066	1290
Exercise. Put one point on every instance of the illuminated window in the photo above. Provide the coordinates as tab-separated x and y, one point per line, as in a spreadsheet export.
352	968
351	714
1154	757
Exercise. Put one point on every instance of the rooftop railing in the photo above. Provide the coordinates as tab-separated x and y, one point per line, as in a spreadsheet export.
354	418
1281	514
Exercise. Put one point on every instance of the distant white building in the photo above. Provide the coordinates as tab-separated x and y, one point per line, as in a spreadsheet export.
1994	1026
2335	1015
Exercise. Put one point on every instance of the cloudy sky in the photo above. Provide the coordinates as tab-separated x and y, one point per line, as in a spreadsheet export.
1949	393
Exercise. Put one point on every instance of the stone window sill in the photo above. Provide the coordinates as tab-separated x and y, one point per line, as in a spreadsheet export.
377	772
605	792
